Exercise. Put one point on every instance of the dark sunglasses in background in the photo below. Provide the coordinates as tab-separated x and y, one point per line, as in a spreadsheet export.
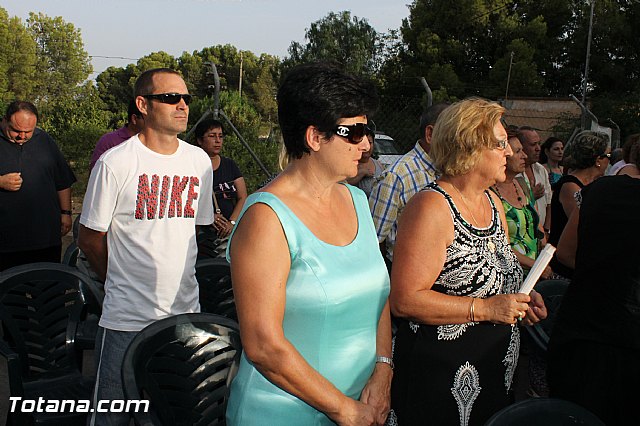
353	133
170	98
608	155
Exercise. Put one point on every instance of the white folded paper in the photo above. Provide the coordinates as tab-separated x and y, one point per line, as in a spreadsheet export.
538	268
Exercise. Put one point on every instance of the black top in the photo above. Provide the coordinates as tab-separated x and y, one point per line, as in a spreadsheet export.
602	304
559	220
30	217
223	187
460	373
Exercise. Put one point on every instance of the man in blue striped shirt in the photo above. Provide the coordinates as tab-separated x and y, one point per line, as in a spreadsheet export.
401	181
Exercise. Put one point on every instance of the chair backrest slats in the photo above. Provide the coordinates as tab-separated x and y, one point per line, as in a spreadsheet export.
182	365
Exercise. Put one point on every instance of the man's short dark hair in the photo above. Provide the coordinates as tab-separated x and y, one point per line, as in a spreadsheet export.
430	115
319	94
144	83
520	133
132	109
205	125
16	106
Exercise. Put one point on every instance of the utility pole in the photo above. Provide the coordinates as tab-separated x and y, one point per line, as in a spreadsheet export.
506	93
240	83
586	64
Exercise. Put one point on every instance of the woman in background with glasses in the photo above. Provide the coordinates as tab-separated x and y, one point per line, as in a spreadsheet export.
229	188
369	169
455	280
586	158
309	281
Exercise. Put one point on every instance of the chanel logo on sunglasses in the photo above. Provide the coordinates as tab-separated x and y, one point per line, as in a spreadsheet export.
342	131
352	133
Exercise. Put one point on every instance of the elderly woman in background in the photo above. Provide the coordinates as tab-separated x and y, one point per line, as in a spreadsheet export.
595	345
587	158
455	280
551	158
519	207
369	169
310	284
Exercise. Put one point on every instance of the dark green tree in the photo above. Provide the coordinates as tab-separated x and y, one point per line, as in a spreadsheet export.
464	47
349	41
115	86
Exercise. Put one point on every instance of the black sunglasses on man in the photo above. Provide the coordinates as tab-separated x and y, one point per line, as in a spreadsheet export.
170	98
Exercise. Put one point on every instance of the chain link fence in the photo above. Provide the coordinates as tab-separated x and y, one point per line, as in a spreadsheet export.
399	118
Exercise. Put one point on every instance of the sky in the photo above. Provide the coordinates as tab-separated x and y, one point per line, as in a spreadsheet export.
131	29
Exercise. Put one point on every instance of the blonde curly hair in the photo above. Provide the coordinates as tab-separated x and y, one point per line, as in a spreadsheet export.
462	132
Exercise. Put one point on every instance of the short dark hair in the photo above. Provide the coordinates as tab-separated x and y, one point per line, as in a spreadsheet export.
132	109
319	94
144	83
585	148
430	115
512	131
205	125
520	133
16	106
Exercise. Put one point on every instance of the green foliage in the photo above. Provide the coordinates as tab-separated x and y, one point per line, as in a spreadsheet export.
338	37
462	48
17	59
156	60
81	106
76	121
76	143
525	79
62	63
264	89
115	86
246	119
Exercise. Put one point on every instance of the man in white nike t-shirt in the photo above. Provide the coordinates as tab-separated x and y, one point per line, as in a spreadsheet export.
139	220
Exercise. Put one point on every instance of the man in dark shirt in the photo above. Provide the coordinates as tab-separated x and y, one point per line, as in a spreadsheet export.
35	190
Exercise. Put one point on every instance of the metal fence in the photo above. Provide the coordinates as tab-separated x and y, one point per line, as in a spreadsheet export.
399	118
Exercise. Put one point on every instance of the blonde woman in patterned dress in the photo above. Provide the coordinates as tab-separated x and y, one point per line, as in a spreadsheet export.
455	280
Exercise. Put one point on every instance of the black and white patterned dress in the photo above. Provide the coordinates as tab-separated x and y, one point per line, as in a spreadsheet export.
460	373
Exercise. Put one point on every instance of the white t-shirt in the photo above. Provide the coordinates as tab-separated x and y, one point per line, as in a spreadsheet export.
542	176
149	205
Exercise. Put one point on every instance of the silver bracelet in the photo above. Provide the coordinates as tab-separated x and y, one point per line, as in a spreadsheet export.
385	360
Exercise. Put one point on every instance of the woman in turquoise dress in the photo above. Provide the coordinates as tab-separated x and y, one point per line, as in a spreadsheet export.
310	283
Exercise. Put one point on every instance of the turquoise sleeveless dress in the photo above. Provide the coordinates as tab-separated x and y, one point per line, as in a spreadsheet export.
334	298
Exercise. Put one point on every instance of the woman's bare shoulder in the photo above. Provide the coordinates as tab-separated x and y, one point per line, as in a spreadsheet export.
427	204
